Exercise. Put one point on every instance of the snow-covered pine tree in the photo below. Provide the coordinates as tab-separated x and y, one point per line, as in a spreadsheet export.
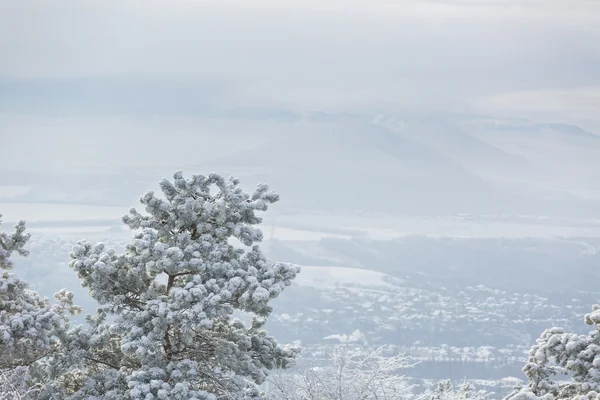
564	365
166	329
14	242
30	327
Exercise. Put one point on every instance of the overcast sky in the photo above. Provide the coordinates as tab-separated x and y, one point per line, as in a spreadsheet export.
518	57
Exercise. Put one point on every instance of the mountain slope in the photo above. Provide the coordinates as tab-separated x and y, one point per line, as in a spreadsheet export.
447	138
356	164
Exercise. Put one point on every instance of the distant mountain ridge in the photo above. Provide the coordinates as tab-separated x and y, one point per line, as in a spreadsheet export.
423	164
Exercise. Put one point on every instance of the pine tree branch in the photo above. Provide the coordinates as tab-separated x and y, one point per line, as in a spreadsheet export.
101	362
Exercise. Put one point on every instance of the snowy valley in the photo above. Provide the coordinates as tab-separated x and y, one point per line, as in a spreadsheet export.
456	262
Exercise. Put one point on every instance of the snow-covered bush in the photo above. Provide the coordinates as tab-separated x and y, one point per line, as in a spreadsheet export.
445	390
352	373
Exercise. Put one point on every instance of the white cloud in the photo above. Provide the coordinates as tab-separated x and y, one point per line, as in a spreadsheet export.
194	38
313	53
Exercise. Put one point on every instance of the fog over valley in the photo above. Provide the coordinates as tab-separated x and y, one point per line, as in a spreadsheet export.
430	229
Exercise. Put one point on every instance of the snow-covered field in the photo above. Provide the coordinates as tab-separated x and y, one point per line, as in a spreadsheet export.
321	277
481	230
7	192
390	227
49	212
309	227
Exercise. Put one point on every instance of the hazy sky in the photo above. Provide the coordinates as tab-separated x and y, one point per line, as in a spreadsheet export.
520	57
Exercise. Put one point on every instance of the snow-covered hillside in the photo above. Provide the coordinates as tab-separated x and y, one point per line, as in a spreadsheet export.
397	163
